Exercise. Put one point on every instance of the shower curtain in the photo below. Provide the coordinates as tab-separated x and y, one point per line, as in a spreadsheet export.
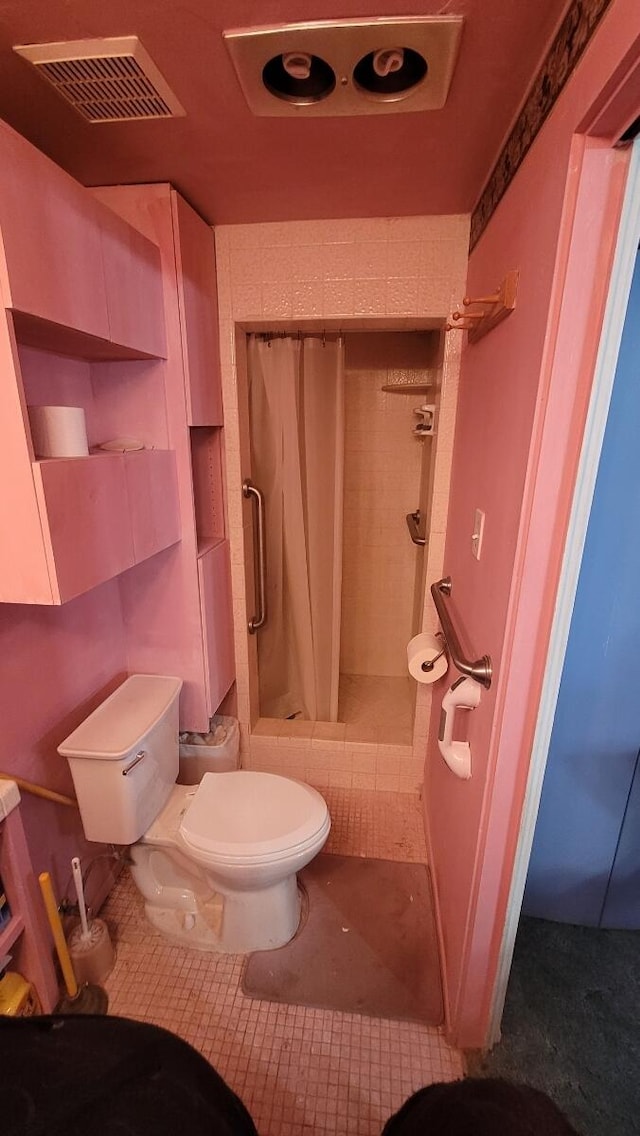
296	408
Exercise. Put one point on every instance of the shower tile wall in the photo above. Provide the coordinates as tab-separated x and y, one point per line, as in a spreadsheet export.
382	468
360	274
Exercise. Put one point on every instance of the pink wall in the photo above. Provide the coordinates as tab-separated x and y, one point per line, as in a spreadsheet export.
523	463
58	664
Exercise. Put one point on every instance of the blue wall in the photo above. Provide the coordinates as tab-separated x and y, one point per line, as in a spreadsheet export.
585	862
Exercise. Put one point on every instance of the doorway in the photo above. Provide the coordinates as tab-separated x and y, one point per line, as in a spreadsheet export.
586	885
585	859
343	429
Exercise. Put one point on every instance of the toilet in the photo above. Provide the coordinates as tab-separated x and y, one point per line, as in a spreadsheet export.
216	862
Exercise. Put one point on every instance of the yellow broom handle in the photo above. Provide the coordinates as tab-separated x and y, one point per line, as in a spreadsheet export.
58	935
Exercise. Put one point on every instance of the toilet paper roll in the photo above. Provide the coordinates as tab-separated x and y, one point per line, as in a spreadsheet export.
423	650
58	431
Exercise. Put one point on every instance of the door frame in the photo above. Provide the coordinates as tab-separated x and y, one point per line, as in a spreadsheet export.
619	286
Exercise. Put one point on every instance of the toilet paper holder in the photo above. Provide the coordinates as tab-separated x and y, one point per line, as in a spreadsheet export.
429	664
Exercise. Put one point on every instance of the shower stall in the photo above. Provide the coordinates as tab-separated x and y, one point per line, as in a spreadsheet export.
296	411
342	430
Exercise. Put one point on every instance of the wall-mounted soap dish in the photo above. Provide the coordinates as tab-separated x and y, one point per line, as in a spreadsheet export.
425	426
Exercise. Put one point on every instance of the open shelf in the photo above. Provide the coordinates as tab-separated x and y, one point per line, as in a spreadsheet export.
25	937
208	502
406	388
119	508
33	331
11	933
205	546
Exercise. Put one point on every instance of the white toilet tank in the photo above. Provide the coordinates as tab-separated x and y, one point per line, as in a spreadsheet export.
124	758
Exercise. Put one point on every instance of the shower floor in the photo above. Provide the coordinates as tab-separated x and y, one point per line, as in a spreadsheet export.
380	706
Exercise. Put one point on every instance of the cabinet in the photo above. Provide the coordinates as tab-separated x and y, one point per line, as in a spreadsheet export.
214	578
198	301
152	493
25	937
52	242
68	262
103	514
81	324
191	587
83	505
133	285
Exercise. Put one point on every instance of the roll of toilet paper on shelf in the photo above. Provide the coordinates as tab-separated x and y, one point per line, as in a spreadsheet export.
58	431
421	654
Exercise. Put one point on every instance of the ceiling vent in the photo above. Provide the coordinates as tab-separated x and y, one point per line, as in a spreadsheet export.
105	80
346	67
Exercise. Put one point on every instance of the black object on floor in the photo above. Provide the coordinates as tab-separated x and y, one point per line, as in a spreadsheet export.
489	1107
368	945
96	1076
571	1024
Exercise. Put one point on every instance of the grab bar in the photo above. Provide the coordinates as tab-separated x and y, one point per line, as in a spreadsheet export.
260	618
413	524
479	669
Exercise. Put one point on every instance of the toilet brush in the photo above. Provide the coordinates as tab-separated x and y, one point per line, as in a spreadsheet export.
77	879
90	944
87	999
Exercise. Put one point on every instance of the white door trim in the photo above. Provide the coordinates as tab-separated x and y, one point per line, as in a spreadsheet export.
613	322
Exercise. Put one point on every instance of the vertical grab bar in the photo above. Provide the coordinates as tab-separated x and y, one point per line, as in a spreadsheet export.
260	618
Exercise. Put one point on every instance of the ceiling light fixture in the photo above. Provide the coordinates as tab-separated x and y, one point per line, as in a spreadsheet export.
346	67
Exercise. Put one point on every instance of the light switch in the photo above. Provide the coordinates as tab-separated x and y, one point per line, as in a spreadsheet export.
477	534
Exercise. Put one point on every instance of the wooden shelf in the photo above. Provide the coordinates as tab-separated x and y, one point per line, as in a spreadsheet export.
214	579
26	937
43	334
81	324
206	472
205	546
11	932
406	388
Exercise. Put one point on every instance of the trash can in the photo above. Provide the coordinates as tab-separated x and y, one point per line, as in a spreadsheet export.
215	752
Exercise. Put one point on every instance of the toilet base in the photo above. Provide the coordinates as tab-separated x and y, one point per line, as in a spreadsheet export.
235	924
188	928
192	909
260	920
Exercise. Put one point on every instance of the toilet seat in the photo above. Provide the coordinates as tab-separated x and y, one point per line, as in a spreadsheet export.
250	818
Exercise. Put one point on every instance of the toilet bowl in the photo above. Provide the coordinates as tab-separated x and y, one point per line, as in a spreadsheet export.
217	868
216	863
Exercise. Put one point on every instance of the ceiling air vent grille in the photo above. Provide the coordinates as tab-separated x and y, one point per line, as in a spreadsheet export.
105	80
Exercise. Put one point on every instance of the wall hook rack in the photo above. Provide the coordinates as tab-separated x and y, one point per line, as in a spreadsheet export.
495	308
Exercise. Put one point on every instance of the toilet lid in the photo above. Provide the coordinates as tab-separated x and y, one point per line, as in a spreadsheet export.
244	814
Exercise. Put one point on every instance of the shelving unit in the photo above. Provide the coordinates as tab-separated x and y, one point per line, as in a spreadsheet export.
11	933
406	388
101	514
81	324
191	585
25	937
206	472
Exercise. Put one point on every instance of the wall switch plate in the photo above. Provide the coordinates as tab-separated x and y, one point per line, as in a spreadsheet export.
478	533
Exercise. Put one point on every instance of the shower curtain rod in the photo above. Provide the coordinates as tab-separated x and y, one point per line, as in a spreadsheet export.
324	335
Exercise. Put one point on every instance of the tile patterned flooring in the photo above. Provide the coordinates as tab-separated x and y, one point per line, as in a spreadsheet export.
298	1070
